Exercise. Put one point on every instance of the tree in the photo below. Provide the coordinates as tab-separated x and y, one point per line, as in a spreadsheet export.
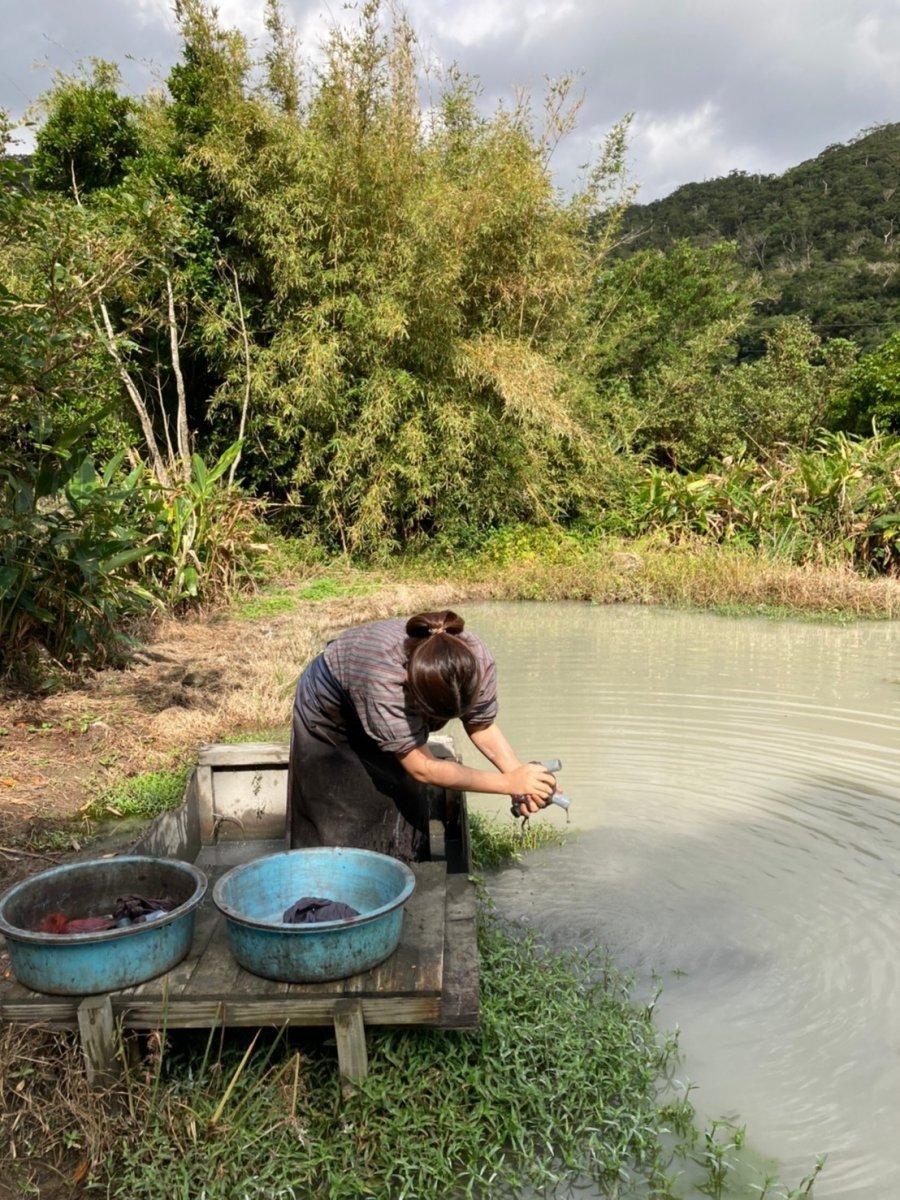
823	235
782	397
89	133
415	290
873	395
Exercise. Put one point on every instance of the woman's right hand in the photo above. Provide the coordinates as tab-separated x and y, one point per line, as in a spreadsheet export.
530	779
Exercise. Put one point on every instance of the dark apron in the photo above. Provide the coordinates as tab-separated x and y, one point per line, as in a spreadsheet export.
345	791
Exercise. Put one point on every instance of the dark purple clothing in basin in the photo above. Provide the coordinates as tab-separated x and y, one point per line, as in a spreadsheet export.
310	910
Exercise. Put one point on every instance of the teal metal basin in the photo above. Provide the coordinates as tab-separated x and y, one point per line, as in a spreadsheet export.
254	896
77	964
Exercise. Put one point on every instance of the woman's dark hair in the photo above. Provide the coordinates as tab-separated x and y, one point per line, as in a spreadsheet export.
442	672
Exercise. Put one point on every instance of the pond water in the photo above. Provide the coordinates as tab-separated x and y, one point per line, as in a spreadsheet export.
736	797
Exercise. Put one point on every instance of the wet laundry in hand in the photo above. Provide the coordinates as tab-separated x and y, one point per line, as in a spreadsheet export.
310	910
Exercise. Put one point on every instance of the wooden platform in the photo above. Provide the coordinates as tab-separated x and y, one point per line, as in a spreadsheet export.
431	979
234	811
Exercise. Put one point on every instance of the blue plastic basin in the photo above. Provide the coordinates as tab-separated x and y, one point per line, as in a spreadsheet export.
254	896
78	964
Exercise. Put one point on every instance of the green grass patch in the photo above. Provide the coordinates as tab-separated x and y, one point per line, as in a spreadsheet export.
272	602
329	588
494	842
144	795
783	612
263	605
559	1082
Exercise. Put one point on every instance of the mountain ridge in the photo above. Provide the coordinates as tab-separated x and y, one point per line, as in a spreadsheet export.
824	235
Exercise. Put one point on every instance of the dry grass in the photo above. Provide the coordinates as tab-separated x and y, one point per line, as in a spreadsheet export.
197	680
52	1139
689	573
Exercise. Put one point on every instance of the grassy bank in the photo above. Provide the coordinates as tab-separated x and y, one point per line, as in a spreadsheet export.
565	1081
560	1081
693	572
471	1110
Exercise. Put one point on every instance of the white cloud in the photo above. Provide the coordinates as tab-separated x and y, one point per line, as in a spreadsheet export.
878	45
471	22
689	146
714	84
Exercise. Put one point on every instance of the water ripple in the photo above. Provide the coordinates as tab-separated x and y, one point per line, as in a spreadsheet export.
736	788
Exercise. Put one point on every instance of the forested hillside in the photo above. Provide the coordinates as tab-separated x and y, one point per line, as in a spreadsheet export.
825	235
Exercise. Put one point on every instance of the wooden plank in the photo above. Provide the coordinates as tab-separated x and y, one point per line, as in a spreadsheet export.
20	1004
460	996
173	982
245	754
462	899
280	1010
417	965
216	970
98	1040
350	1034
11	990
151	1013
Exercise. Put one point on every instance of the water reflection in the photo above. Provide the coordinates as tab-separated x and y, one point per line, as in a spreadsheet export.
735	787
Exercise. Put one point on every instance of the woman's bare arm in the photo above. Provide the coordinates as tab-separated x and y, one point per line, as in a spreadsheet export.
492	743
527	779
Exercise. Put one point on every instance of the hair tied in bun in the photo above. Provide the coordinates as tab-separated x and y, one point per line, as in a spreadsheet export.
424	625
442	673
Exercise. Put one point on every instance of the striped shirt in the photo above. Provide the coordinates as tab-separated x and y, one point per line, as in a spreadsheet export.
369	663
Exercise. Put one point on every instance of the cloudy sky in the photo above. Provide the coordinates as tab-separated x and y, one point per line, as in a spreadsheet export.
714	84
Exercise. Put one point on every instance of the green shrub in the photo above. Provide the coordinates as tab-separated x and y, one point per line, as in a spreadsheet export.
874	390
82	553
699	408
70	541
837	500
201	533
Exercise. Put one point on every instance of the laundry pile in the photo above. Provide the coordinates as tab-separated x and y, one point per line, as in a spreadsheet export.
127	911
310	910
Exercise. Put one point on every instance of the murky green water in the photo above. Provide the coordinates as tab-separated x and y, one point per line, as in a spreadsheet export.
736	792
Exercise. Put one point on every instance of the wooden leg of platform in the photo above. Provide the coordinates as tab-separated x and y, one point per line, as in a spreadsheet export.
350	1032
98	1039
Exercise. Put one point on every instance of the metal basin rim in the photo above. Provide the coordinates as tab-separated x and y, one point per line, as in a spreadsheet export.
15	933
239	918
